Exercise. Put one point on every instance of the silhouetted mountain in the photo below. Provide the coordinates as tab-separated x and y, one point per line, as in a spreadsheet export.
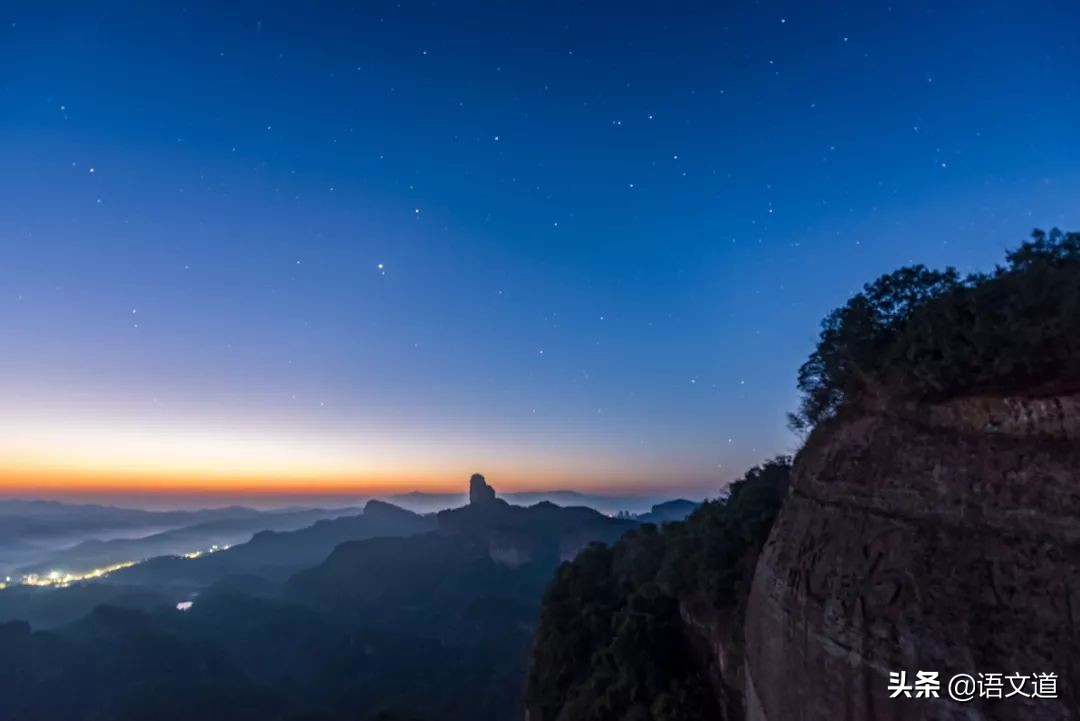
31	530
122	665
668	511
432	502
114	516
483	541
201	536
488	548
479	490
51	607
435	570
275	555
540	533
435	625
544	532
421	502
37	521
607	504
465	596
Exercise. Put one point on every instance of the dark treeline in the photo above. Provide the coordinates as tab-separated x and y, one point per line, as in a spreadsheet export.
918	334
612	643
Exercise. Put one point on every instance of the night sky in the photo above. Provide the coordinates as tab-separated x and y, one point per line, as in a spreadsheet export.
342	247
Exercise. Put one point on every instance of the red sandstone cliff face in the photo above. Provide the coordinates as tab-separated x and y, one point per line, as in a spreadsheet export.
949	543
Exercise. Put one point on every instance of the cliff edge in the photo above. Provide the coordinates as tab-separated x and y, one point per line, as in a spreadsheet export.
939	538
928	529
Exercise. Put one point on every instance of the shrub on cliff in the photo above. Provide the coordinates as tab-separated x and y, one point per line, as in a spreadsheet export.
918	334
612	643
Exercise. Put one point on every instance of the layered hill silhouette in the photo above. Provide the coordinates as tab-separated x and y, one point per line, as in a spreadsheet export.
259	566
34	519
275	555
385	612
33	531
221	532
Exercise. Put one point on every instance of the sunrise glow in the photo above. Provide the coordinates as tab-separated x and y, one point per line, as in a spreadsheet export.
78	455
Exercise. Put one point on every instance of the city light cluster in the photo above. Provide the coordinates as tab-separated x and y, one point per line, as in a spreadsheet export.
213	549
66	578
62	579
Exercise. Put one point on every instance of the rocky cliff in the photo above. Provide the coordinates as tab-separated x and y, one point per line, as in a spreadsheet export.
932	525
936	538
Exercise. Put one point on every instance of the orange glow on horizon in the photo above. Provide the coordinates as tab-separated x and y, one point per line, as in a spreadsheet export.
77	455
68	454
46	481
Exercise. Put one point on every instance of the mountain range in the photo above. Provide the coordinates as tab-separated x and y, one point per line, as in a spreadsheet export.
379	614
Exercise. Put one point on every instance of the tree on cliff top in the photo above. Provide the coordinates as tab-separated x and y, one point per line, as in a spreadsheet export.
855	339
918	334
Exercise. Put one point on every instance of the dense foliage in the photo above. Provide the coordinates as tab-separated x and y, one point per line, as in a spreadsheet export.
918	334
612	644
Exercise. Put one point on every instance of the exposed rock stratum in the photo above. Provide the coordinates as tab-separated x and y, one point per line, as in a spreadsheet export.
942	538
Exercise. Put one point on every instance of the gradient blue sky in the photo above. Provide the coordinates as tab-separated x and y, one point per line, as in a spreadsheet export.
607	231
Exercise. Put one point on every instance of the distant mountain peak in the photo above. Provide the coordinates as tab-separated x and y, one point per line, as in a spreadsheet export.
479	490
382	509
